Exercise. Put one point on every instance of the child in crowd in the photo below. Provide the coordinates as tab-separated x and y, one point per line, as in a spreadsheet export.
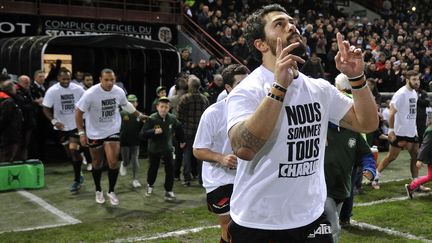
130	141
159	130
161	91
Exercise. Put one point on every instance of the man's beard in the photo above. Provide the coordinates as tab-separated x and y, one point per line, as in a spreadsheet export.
298	51
413	86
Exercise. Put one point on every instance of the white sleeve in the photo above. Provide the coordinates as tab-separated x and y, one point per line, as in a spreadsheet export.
171	91
80	93
339	104
84	102
48	100
241	103
128	107
205	131
396	100
122	99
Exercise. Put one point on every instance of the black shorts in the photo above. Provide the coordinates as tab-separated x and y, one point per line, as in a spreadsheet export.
317	231
218	200
65	135
406	139
94	143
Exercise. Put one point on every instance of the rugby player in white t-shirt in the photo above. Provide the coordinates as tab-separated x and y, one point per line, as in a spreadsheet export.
102	122
211	145
402	132
58	107
277	122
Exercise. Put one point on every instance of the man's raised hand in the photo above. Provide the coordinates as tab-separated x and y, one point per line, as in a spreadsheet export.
349	60
286	63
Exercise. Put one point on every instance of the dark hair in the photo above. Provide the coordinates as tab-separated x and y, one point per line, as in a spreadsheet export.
106	70
7	86
234	69
181	84
62	71
87	75
255	27
37	72
4	77
410	73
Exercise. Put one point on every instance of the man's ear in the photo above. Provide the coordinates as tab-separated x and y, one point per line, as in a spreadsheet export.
261	45
228	88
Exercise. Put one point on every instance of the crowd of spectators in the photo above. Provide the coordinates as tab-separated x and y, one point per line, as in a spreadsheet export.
399	41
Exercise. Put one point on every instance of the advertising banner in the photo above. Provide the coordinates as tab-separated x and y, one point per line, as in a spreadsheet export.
29	25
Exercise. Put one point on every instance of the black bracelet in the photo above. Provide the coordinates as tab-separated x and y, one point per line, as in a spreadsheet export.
275	97
279	87
354	79
357	87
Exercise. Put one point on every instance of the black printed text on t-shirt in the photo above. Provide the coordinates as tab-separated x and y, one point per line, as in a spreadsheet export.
108	110
67	103
303	140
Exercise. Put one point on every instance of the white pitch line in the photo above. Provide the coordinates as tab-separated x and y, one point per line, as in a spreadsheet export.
389	231
64	216
393	199
393	180
165	235
36	228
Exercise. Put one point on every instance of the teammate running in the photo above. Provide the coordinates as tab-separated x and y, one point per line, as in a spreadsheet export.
101	103
62	97
212	146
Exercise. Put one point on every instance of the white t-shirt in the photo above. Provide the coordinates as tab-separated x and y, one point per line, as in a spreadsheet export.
63	101
386	116
222	95
405	102
103	118
212	134
284	187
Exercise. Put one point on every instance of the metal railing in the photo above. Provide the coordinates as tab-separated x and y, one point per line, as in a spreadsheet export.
205	40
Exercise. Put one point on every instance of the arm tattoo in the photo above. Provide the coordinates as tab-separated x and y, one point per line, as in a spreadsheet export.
243	138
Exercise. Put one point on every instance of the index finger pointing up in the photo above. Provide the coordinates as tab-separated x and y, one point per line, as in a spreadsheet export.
278	47
341	46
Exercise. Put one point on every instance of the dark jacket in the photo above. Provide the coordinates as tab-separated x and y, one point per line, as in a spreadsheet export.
10	120
161	143
25	102
189	111
425	153
344	150
129	130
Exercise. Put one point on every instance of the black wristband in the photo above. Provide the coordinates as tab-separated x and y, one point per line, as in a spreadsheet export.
279	87
364	84
275	97
356	78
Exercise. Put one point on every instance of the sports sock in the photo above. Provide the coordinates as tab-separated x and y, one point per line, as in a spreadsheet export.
377	176
112	178
97	174
77	170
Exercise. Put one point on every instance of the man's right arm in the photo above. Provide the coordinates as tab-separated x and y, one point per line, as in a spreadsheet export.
392	114
249	136
79	119
47	112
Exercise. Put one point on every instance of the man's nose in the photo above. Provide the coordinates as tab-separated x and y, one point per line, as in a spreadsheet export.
291	28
